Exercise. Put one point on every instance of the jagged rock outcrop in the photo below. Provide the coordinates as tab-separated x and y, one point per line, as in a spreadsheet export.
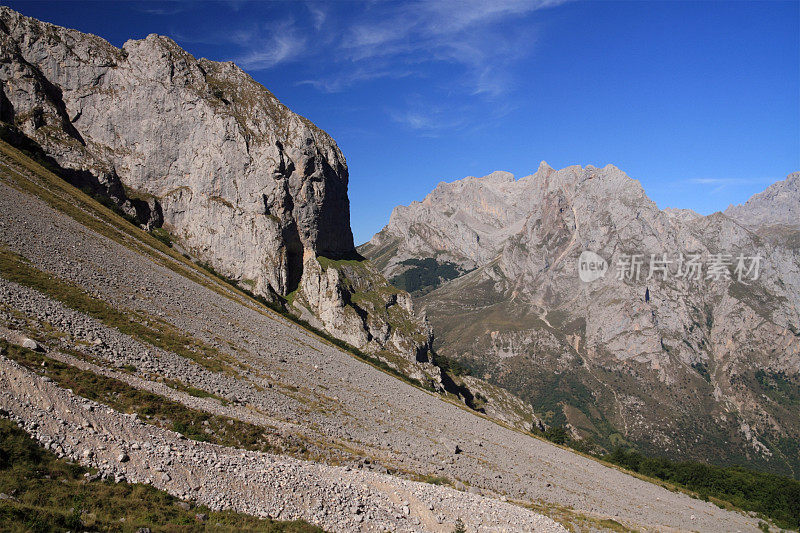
354	302
238	180
698	368
684	215
778	204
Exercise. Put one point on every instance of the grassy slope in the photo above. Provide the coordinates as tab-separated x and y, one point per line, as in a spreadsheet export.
770	495
151	408
49	494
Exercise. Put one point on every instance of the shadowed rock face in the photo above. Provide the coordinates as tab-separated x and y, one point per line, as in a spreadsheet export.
241	181
695	370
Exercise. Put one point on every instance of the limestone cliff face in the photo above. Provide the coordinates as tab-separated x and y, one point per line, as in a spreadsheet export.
242	181
693	368
239	181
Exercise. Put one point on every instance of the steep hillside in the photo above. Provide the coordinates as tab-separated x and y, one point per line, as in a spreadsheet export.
703	366
209	159
150	370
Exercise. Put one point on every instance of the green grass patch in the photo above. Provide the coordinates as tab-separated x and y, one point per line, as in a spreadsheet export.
435	480
162	235
772	496
424	275
193	391
157	332
781	387
151	408
50	494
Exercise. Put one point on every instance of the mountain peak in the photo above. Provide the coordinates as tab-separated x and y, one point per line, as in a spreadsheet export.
498	176
777	204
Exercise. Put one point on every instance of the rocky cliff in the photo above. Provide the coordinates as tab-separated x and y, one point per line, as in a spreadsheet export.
702	365
198	148
778	204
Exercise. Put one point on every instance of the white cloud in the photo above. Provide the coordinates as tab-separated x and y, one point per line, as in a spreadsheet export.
269	45
318	15
464	49
729	181
362	41
718	185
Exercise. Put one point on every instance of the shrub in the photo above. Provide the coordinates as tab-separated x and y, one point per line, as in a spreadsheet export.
773	496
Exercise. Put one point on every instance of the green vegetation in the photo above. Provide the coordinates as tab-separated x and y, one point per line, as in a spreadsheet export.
450	365
151	408
352	262
162	235
772	496
18	269
459	527
48	494
702	369
556	434
780	387
221	200
434	480
425	275
193	391
573	520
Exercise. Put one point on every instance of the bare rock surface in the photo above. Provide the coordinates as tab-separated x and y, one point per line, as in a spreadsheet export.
203	152
242	181
777	204
335	498
678	365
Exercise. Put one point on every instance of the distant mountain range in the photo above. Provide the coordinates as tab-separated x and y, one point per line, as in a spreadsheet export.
692	365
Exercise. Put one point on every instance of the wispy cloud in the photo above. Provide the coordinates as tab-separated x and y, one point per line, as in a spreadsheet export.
362	41
275	44
721	181
318	15
427	122
721	184
340	80
163	8
430	117
474	35
463	48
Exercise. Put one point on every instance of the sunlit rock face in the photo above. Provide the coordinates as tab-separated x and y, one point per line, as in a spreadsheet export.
240	180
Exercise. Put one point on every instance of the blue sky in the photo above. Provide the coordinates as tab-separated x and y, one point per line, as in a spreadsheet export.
700	101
